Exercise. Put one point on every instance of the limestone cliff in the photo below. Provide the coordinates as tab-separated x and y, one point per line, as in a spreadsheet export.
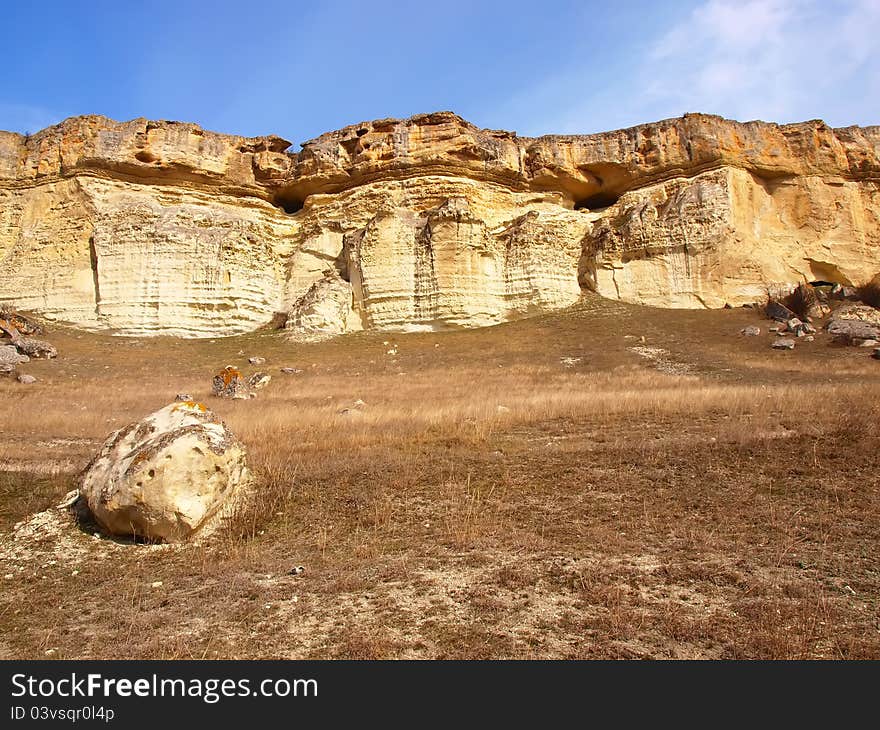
426	223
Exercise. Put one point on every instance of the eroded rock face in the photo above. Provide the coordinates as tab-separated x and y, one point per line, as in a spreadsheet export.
164	477
425	223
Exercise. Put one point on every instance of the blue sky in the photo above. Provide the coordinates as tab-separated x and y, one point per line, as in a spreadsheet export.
300	69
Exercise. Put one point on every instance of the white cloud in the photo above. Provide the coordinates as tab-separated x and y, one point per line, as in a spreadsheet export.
780	60
777	60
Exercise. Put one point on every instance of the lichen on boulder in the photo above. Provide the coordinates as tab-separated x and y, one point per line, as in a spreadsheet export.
163	478
229	383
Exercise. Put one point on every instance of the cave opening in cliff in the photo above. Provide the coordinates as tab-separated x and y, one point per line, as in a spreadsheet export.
601	199
290	204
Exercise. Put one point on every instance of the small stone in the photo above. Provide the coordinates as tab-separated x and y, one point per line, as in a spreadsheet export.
810	338
156	584
298	570
183	397
35	348
256	360
876	354
783	343
291	371
751	331
259	380
778	311
9	355
865	343
502	409
50	652
8	576
26	379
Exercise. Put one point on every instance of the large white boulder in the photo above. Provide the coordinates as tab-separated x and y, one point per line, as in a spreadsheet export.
164	477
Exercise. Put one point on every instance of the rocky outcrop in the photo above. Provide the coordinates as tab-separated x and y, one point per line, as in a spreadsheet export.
164	477
425	223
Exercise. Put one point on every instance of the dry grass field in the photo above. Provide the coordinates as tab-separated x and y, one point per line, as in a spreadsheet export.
610	481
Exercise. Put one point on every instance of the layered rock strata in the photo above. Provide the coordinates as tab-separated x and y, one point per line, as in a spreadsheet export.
426	223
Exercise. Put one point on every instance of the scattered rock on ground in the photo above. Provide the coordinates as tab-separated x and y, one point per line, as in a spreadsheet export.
35	348
183	397
29	346
26	379
750	331
24	324
164	477
229	383
838	291
256	360
9	355
852	331
291	371
778	311
355	408
259	380
870	343
800	329
859	311
783	343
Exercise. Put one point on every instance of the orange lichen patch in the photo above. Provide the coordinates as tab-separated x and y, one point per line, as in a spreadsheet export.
139	458
190	405
229	374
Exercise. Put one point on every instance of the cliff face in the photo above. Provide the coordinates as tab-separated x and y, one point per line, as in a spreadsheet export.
425	223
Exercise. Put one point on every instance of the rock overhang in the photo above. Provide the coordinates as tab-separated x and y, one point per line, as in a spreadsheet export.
166	227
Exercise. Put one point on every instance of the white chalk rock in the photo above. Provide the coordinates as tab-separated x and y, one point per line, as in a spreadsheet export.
165	476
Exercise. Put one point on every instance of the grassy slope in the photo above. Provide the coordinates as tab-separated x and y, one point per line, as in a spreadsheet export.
692	495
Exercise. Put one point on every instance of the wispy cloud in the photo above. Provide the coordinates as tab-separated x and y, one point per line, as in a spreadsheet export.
777	60
780	60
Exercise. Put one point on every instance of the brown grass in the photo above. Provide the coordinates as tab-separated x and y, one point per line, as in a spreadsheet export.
801	301
703	497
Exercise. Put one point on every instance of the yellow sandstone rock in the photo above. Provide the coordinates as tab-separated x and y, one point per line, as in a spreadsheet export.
425	223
